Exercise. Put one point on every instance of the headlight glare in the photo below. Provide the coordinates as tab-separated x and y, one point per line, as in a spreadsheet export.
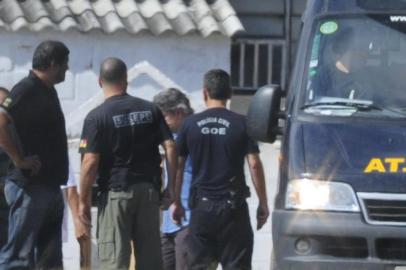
306	194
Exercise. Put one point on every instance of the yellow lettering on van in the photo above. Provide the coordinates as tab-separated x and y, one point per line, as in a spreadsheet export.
394	163
375	165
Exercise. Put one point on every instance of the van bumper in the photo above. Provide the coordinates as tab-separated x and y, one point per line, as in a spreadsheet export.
306	240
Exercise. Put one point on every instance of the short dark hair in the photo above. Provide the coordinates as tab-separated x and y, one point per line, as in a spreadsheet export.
113	70
172	99
4	90
218	84
48	52
343	41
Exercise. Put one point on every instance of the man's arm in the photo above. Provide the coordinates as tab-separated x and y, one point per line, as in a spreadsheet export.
166	199
90	165
177	209
72	197
171	157
8	145
258	179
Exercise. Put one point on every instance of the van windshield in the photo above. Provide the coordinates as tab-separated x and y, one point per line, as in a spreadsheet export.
357	66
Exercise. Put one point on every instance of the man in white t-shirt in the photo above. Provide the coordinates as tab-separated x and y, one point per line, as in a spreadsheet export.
72	198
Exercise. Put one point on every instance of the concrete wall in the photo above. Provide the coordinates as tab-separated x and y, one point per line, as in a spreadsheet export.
154	62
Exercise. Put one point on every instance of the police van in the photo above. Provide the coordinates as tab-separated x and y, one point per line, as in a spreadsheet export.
341	195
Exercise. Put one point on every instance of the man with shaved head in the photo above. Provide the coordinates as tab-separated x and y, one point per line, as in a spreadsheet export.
119	147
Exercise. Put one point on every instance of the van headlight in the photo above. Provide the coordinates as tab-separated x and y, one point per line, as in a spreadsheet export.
306	194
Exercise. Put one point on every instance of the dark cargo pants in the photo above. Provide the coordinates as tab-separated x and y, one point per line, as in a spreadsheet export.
221	234
128	215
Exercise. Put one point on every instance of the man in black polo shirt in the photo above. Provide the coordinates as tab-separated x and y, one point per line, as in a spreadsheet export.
119	146
38	151
217	142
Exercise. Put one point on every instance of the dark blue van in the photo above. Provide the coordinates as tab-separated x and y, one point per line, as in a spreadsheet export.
341	196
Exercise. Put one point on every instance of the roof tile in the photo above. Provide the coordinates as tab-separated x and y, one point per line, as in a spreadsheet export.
132	16
174	8
77	6
88	21
207	26
111	23
183	24
135	23
57	4
10	11
158	24
18	24
33	10
126	7
102	7
67	24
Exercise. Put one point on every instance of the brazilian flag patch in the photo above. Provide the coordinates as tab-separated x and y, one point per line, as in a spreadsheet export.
83	143
7	102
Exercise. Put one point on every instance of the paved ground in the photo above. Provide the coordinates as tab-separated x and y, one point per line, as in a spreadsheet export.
263	238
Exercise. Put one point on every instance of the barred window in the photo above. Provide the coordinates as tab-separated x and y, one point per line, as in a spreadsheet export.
257	62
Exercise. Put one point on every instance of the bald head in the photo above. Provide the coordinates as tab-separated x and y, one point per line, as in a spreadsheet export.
113	71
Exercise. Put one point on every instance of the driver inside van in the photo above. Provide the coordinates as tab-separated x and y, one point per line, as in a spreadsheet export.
344	73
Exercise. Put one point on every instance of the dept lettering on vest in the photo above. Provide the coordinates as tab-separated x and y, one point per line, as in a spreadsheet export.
222	130
209	120
214	131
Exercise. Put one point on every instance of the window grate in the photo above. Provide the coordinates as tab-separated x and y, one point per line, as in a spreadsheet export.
257	62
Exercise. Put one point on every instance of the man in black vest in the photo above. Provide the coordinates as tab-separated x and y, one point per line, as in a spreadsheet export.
119	146
217	142
39	163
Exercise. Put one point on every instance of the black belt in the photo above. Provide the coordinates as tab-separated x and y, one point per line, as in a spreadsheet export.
233	204
117	189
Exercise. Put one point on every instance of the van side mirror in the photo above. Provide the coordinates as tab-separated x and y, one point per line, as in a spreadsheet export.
264	113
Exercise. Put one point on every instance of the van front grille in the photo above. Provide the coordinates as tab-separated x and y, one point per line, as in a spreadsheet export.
385	209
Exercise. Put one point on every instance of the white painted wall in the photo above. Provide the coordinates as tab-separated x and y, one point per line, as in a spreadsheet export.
154	63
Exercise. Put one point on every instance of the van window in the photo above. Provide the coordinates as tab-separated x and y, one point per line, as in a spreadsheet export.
381	5
357	65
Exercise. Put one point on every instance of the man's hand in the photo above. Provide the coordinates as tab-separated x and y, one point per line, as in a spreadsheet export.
258	179
178	213
167	199
262	215
85	220
82	231
29	163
